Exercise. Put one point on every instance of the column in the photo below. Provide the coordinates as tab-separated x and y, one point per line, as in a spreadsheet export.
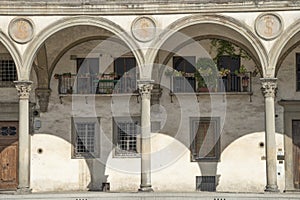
269	86
23	88
145	92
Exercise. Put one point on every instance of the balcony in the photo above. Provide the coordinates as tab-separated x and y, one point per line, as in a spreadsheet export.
229	83
95	84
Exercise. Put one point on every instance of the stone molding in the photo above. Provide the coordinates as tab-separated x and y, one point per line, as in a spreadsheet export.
43	94
21	30
269	87
23	88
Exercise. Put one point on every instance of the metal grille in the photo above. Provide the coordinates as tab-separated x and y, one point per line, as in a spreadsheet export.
85	140
126	138
206	183
8	130
8	73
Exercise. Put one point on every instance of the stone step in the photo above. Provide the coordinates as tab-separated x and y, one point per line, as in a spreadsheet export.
152	196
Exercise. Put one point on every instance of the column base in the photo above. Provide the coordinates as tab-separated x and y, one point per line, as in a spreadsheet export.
23	190
271	188
145	188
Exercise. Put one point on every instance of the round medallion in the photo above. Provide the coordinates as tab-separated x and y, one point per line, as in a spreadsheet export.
268	26
21	30
143	29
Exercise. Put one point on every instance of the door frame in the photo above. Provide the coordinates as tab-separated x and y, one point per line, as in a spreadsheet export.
12	142
291	112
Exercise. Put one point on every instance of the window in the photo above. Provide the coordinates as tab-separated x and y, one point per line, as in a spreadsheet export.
87	70
230	83
298	70
229	62
125	136
8	73
185	83
205	139
86	134
125	70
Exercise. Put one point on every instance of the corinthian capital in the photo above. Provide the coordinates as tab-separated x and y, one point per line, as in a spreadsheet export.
145	89
23	88
269	87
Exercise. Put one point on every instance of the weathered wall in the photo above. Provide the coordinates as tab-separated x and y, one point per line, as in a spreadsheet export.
242	118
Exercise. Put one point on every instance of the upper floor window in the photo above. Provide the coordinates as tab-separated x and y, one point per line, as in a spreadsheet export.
125	70
125	136
186	66
8	73
231	82
87	70
205	138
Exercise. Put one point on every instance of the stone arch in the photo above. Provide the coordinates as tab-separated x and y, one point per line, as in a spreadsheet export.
288	41
15	54
241	34
77	21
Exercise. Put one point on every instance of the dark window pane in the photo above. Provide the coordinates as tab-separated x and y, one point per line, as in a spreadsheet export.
184	64
229	62
189	64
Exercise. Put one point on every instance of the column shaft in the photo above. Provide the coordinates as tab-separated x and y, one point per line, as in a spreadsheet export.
23	88
269	87
145	91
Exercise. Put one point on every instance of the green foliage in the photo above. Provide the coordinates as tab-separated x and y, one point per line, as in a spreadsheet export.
206	73
224	47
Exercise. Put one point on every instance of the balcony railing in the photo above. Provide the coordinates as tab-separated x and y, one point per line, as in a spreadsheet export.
95	84
229	83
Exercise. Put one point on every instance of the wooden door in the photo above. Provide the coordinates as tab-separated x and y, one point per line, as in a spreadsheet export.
8	155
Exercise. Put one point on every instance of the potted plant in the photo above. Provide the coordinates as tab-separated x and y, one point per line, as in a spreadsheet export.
224	72
206	74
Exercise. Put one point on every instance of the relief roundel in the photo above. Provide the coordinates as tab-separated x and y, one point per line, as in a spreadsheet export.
21	30
143	29
268	26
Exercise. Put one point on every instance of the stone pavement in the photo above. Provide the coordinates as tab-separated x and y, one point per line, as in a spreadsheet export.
154	196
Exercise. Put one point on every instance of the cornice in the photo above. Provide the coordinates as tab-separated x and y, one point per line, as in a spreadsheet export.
121	7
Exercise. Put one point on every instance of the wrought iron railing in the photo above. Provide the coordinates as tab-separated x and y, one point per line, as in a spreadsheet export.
95	84
230	83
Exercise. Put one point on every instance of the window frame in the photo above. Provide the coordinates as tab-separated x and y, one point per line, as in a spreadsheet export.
125	84
9	83
194	156
117	152
92	77
97	135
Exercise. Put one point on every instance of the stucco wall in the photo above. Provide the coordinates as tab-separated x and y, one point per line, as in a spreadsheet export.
242	121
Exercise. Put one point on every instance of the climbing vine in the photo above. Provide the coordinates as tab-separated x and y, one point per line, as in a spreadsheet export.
224	47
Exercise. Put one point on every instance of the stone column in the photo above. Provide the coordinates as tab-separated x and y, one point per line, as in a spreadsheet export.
269	86
145	92
23	88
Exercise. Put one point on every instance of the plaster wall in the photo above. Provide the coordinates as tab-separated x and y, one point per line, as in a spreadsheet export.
241	129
